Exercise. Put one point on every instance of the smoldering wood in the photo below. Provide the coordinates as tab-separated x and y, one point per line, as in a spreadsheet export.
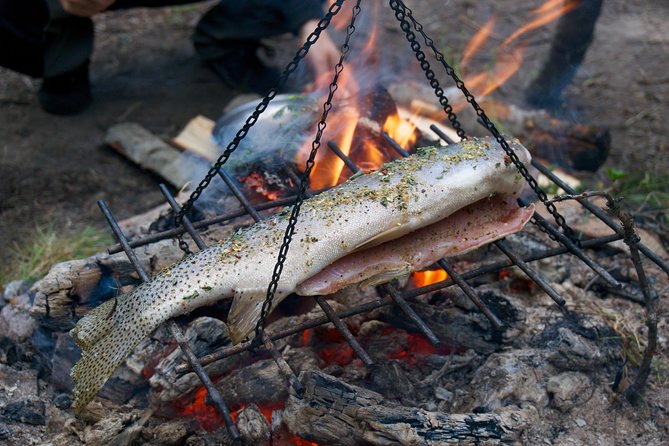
334	412
253	427
574	146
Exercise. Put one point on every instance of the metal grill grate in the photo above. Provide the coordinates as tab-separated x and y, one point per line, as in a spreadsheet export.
388	294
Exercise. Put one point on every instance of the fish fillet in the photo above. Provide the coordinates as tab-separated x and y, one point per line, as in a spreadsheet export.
364	212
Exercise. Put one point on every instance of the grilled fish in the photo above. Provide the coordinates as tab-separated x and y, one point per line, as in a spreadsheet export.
362	213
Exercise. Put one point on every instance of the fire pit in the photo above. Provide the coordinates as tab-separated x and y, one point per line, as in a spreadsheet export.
329	409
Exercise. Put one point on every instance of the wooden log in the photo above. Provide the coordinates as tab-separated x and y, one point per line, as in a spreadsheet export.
334	412
574	146
152	153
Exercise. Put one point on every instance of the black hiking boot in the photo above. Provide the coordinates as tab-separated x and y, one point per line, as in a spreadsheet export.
66	94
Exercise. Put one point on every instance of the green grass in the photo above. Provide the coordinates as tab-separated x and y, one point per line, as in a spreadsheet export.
31	260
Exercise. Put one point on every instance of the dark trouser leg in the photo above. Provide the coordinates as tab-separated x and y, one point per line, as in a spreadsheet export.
572	38
232	24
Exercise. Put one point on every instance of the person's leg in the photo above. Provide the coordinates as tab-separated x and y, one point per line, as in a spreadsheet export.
229	34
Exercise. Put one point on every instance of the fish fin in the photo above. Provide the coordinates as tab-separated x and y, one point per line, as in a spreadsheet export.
107	339
385	236
245	312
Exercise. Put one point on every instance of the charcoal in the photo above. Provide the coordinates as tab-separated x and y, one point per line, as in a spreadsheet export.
28	412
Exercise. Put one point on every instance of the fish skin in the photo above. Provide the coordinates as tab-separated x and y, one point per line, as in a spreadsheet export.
476	225
403	196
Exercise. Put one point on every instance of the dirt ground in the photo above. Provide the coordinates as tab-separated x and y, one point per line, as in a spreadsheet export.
53	169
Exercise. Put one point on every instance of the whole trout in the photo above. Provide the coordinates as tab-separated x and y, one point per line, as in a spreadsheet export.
364	212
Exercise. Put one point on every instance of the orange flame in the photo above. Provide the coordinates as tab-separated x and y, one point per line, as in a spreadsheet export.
546	13
509	59
428	277
477	42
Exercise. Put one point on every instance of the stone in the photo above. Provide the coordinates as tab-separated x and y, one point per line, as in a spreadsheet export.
16	324
509	378
15	288
5	432
62	401
569	389
571	351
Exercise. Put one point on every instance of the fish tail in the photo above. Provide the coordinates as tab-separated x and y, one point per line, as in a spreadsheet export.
107	335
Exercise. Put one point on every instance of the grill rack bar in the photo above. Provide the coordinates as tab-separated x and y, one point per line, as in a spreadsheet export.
284	368
327	309
176	332
389	288
409	295
600	213
394	295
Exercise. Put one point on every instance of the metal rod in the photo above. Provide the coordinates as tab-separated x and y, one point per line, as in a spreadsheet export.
311	323
185	221
350	164
197	367
406	308
498	266
471	294
169	233
464	286
284	368
574	249
600	213
327	309
240	195
440	133
343	329
531	273
409	294
395	145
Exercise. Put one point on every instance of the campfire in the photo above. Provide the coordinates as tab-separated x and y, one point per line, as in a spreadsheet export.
434	355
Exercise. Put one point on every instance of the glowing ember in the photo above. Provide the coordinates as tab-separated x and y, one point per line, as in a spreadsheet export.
419	346
428	277
206	416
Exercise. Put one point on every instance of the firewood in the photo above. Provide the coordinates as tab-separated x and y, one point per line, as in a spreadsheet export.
152	153
334	412
575	146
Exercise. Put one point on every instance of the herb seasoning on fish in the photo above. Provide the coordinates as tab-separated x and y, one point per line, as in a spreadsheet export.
406	196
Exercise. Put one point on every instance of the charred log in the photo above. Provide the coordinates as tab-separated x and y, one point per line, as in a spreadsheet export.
334	412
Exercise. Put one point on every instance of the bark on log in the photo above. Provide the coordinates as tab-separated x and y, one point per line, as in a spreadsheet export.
152	153
334	412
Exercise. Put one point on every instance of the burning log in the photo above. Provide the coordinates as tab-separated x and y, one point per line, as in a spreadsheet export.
574	146
334	412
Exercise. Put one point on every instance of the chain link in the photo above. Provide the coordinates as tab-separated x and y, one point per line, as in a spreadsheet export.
425	65
250	122
304	179
402	13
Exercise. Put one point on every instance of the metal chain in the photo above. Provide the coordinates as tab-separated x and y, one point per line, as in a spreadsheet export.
304	179
425	65
402	13
250	122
